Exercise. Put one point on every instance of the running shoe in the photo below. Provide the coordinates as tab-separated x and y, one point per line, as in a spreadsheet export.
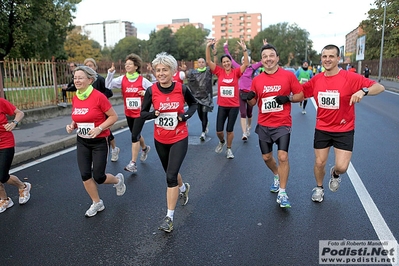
303	112
5	204
166	225
229	154
131	167
24	194
244	137
275	187
144	153
334	183
282	199
202	137
318	194
115	154
94	208
120	187
248	131
219	147
184	195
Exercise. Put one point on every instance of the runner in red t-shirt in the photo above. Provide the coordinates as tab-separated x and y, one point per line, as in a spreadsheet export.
274	90
133	87
335	92
228	94
170	128
92	116
7	151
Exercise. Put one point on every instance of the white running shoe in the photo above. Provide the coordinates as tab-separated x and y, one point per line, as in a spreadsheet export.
24	194
115	154
5	204
229	154
131	167
120	187
219	147
202	137
144	154
94	208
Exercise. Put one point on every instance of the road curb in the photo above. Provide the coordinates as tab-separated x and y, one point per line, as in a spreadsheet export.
48	148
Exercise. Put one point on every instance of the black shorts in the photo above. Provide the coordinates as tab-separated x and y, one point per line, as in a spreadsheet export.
269	135
340	140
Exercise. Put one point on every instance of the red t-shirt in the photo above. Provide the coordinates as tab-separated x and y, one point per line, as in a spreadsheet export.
6	137
131	97
90	113
167	128
266	87
332	95
228	93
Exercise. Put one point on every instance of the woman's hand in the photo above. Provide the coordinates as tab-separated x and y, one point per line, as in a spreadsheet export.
112	69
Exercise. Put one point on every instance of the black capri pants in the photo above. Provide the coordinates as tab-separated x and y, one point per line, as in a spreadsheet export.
135	126
6	157
172	156
229	113
92	157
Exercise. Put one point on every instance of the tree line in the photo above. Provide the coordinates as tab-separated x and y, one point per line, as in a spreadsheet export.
44	29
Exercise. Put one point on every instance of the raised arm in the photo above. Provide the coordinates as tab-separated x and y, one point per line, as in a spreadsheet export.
245	64
211	64
226	51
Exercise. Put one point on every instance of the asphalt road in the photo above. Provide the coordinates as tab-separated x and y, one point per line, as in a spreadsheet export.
231	217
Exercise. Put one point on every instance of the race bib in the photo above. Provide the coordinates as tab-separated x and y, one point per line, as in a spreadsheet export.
167	120
83	129
227	91
328	100
270	105
303	80
133	103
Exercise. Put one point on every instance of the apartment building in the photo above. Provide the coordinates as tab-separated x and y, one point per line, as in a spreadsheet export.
350	43
109	33
236	25
179	23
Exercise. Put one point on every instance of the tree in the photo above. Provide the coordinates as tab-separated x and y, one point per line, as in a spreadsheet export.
125	47
289	40
191	42
35	29
78	47
162	41
373	30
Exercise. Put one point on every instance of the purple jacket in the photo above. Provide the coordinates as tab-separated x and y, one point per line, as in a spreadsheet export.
246	79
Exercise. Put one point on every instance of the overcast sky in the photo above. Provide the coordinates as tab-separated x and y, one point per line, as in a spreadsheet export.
326	21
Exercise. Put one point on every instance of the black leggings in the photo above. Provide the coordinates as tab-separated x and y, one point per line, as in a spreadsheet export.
135	126
6	157
172	156
92	158
203	116
229	113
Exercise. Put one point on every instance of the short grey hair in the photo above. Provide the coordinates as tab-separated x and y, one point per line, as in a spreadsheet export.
166	60
90	73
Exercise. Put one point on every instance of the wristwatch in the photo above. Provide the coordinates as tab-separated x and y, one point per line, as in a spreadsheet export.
366	91
15	122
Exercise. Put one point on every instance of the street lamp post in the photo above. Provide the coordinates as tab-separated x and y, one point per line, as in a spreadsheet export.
382	42
140	51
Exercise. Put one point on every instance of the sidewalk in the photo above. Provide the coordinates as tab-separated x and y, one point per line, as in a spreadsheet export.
35	139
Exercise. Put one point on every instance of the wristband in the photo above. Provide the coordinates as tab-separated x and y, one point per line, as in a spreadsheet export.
245	50
15	122
100	128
